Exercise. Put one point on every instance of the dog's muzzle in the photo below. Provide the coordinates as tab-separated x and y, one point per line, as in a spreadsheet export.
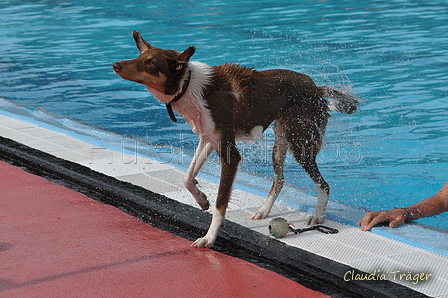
116	66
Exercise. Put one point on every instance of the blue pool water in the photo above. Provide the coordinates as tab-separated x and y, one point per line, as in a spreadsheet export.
56	56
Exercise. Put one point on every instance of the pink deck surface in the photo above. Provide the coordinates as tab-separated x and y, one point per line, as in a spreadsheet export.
55	242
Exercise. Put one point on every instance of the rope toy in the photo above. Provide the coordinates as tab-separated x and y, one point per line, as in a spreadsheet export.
279	227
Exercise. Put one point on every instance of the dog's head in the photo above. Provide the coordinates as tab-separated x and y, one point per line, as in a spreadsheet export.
160	70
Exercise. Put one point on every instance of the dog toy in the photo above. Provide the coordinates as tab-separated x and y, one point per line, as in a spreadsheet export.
279	227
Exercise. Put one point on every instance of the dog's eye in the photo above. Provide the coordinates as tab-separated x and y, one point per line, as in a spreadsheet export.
149	61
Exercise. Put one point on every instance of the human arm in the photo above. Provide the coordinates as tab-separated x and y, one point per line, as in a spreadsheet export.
431	206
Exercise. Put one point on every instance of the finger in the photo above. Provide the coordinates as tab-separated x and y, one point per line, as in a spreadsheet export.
363	222
379	217
366	219
397	221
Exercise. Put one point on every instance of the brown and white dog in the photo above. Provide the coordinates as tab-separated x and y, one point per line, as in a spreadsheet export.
228	103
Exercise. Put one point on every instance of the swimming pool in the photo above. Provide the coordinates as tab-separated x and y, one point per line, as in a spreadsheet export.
393	54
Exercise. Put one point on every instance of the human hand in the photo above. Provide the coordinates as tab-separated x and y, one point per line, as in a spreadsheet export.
395	217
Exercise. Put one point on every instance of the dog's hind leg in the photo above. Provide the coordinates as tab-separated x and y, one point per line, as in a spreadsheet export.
305	139
278	160
200	156
323	192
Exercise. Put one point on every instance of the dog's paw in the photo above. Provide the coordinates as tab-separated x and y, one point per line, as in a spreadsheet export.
259	215
198	195
314	220
203	201
203	242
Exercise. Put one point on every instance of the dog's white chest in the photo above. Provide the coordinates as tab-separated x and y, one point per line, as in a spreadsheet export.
201	121
192	106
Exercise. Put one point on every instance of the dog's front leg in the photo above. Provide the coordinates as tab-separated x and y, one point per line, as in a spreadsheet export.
209	239
230	159
200	156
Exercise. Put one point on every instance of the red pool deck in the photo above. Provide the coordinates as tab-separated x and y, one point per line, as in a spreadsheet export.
55	242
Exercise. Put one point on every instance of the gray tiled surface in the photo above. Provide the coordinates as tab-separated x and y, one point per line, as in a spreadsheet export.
362	250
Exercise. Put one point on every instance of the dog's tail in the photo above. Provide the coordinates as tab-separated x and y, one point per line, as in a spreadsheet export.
346	102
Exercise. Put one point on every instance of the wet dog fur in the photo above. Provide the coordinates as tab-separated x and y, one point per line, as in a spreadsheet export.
228	103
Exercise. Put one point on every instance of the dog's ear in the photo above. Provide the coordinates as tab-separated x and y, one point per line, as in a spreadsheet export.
142	45
185	56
